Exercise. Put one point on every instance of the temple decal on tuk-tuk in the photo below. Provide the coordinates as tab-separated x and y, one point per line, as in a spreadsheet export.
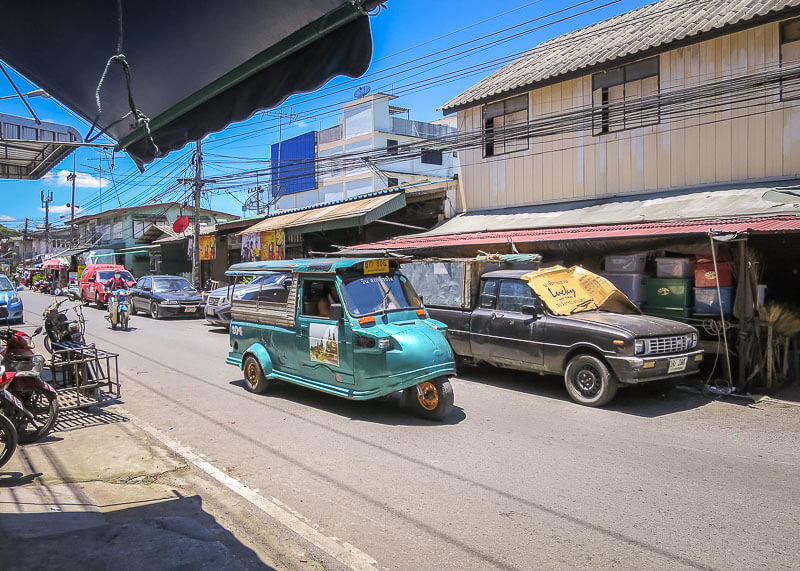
323	343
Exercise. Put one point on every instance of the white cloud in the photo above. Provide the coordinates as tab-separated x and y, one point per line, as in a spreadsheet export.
61	209
82	180
6	218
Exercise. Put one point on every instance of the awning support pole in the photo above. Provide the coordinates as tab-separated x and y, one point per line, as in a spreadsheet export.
729	374
742	341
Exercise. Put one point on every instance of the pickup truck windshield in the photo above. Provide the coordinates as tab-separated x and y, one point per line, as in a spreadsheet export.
365	295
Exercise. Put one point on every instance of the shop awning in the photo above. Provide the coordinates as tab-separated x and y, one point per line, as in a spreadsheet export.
195	66
731	226
29	150
57	263
331	216
141	249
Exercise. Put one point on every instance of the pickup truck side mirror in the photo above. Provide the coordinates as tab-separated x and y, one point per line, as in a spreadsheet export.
336	311
534	308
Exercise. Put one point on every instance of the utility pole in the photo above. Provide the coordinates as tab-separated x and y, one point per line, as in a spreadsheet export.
72	206
24	246
46	204
198	182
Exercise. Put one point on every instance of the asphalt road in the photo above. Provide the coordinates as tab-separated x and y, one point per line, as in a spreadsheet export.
518	477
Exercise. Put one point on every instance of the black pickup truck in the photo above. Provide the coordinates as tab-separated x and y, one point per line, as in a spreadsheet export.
596	351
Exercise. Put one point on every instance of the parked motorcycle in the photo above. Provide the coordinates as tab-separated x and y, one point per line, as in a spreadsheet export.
118	312
28	402
8	436
60	327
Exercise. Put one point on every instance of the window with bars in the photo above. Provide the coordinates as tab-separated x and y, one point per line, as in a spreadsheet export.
626	97
505	126
790	60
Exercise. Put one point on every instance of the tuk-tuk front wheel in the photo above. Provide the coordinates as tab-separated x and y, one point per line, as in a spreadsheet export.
254	380
431	399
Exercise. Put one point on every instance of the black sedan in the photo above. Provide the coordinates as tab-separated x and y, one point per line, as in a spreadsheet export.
162	296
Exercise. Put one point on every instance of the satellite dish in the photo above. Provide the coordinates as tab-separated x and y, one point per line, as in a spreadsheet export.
362	91
181	223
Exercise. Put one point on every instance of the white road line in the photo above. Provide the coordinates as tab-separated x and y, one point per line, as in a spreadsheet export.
345	553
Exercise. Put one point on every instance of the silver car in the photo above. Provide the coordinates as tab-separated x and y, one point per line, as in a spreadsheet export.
218	302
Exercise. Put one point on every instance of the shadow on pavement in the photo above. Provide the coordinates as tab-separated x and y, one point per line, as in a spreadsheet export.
52	529
387	410
12	479
636	400
83	418
217	329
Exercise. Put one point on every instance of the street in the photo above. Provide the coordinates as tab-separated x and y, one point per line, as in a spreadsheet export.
518	477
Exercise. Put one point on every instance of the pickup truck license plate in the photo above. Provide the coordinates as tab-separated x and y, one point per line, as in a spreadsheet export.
677	364
193	308
212	311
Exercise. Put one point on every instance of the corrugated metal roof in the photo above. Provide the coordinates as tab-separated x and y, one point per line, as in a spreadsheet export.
625	35
336	215
717	202
756	225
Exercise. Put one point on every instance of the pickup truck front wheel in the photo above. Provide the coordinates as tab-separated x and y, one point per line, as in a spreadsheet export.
589	382
431	399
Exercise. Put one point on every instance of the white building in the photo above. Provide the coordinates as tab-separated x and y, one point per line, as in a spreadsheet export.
372	130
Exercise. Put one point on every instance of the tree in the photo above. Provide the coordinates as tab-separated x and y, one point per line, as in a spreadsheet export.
6	232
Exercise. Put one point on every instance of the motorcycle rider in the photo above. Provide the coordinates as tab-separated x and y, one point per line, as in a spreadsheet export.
113	284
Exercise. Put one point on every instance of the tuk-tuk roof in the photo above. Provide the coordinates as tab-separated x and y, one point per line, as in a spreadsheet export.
321	265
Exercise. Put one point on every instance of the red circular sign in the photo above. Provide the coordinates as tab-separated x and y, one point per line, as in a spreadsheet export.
180	224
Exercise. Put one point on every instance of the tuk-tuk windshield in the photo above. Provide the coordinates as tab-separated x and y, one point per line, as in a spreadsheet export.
365	295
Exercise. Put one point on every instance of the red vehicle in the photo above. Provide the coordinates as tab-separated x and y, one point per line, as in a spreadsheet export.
94	278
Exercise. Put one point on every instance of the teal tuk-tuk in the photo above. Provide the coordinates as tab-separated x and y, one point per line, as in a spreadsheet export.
354	328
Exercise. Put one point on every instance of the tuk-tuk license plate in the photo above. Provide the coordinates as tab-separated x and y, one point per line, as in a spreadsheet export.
677	364
190	308
376	267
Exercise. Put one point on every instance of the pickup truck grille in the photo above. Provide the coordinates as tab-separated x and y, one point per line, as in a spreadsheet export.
672	344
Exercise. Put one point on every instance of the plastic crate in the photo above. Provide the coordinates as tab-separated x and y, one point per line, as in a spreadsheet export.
674	267
705	276
631	285
676	313
706	300
668	292
628	264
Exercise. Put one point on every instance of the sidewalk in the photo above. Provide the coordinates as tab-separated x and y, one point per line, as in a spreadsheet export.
99	493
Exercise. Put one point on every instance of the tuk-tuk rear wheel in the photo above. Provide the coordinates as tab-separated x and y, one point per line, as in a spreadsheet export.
431	399
254	380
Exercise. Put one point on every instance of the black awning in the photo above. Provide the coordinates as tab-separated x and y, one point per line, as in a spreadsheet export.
195	66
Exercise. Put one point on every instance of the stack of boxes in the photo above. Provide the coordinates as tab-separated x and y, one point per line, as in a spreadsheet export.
627	274
681	287
669	294
707	299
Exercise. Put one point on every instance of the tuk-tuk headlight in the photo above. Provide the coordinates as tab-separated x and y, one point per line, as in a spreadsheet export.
385	343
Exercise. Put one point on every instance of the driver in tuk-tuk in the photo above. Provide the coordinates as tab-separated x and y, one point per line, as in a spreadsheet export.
326	300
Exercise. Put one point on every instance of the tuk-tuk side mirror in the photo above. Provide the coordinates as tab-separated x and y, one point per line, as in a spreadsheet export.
336	312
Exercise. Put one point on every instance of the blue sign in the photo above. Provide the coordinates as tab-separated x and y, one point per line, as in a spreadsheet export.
294	164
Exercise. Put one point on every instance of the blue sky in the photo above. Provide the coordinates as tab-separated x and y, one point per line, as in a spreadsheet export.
404	31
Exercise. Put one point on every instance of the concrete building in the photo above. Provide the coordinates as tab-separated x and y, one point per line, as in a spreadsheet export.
357	156
128	231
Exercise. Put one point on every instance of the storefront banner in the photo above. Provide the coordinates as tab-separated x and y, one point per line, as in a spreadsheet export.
208	248
251	247
272	245
568	290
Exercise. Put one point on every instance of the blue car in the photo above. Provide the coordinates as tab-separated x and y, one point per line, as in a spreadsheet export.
10	300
